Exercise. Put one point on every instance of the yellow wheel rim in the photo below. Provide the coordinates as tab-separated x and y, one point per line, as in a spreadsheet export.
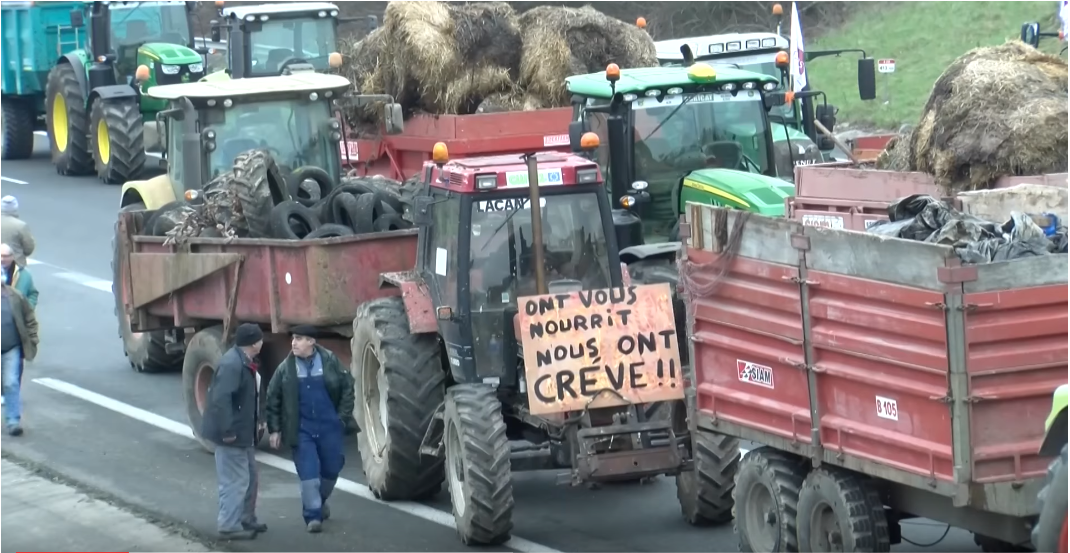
59	122
103	142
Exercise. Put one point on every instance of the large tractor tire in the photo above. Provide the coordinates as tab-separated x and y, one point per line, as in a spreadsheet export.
146	351
118	139
477	465
202	358
767	501
1049	533
399	384
705	493
18	129
68	122
840	511
258	186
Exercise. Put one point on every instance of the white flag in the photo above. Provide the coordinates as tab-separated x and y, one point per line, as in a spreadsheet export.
798	65
1064	18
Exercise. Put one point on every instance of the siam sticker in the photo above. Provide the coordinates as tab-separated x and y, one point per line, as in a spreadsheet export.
753	373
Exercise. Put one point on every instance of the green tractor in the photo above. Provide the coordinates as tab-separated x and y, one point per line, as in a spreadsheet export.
1049	532
272	39
98	118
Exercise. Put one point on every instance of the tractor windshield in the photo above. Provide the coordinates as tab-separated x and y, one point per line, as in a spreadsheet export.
137	23
296	132
311	39
502	257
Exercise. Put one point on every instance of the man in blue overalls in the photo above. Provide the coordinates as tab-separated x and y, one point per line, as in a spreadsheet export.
310	408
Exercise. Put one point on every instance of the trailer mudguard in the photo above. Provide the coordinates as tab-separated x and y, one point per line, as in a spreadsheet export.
113	92
154	193
78	60
417	300
1055	426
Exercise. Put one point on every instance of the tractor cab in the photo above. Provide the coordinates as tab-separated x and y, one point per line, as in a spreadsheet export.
482	245
208	124
671	135
269	39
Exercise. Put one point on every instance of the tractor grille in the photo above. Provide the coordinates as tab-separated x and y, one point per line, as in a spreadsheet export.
184	75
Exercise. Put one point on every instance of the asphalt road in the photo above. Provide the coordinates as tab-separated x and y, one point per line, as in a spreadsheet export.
89	417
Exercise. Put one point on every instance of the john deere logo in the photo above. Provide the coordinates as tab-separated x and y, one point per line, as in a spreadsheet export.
185	77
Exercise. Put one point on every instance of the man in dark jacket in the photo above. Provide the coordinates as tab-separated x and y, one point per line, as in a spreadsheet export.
309	408
231	423
20	339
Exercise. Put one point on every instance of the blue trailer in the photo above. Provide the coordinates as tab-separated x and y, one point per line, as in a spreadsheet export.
35	35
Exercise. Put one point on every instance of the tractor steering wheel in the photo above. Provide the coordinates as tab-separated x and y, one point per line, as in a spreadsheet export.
288	62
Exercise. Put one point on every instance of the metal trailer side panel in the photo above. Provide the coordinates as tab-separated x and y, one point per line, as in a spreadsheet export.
35	35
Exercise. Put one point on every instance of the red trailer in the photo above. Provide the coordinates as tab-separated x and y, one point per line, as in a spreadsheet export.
401	156
885	380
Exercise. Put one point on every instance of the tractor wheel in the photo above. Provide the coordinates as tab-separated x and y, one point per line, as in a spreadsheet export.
118	139
766	497
258	186
1049	533
146	351
705	493
399	383
840	511
477	465
68	122
18	129
202	359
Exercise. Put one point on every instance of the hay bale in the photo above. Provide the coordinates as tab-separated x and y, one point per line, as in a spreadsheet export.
444	58
360	58
560	42
993	112
509	101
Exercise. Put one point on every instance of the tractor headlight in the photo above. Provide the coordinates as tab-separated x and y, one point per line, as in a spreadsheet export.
169	69
586	176
486	182
196	67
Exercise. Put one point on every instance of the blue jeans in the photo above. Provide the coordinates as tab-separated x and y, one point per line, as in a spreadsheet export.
12	377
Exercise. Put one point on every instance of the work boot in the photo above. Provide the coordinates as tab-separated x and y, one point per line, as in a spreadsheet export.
258	527
325	511
237	535
14	430
315	526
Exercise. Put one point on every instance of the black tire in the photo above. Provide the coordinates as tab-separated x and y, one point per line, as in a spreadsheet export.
163	220
258	185
71	158
477	465
363	213
837	505
1051	503
292	221
123	158
202	359
323	184
329	231
147	351
19	121
391	192
705	493
775	476
384	350
391	222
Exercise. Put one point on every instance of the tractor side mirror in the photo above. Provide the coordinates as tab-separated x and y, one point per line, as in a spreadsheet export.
826	114
575	135
1031	34
773	99
395	118
217	34
867	78
77	19
421	210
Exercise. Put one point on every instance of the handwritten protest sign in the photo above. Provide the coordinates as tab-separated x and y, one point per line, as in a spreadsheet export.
596	347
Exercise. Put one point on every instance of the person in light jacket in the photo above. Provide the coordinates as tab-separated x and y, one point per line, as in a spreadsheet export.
14	231
20	339
17	277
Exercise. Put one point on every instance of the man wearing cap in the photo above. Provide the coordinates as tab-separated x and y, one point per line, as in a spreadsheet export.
19	334
14	231
231	423
310	408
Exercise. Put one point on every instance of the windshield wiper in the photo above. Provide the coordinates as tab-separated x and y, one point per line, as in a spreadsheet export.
666	120
505	222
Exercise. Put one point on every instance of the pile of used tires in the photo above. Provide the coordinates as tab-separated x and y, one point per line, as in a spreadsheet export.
255	200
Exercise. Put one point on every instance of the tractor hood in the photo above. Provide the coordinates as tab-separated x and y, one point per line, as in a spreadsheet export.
170	54
742	190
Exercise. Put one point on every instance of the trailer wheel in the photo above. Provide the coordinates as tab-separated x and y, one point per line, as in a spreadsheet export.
146	351
1049	533
840	511
705	493
478	465
117	136
68	122
18	129
766	498
202	359
399	383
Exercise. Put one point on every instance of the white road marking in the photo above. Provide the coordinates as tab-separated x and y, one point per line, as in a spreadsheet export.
41	133
418	510
86	280
13	181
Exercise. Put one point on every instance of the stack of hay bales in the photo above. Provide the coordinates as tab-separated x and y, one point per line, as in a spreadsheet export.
452	58
993	112
560	42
